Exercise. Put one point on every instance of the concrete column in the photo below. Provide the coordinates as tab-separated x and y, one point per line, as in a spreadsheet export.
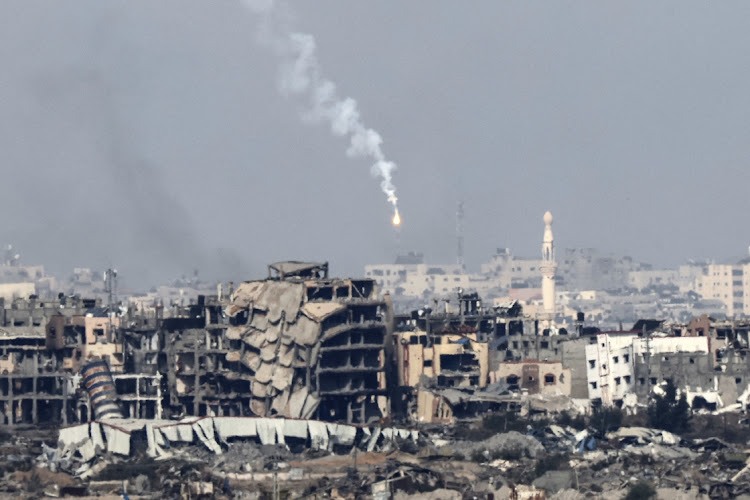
158	402
34	416
65	401
11	412
138	397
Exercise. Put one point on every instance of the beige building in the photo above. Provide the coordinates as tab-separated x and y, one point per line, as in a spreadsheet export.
508	270
420	280
729	284
436	365
536	377
453	359
12	291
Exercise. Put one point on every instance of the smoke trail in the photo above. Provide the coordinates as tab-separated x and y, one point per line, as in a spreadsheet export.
301	75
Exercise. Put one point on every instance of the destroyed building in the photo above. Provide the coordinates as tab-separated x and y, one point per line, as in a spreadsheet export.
520	341
706	358
44	345
445	356
34	385
304	345
298	344
449	349
534	377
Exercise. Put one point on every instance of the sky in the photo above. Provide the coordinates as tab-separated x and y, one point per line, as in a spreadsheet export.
153	137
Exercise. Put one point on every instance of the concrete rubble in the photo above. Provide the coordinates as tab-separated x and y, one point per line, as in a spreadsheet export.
302	354
229	457
80	445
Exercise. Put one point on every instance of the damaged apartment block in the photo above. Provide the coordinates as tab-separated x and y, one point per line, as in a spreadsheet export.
442	358
43	345
297	344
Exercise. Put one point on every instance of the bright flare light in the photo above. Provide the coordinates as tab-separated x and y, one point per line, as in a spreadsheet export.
396	219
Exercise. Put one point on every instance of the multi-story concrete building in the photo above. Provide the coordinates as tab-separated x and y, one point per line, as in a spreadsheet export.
297	344
648	278
509	271
535	377
729	284
20	279
586	269
613	359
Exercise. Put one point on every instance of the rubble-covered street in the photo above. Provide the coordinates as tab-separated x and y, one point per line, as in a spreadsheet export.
487	458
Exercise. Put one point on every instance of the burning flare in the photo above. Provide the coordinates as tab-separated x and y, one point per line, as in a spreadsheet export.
396	218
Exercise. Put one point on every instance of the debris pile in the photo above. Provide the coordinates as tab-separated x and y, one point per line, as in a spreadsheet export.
306	344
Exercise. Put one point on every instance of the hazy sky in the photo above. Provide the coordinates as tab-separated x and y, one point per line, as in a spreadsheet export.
151	135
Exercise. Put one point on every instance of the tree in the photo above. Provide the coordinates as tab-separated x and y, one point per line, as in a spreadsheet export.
605	419
667	411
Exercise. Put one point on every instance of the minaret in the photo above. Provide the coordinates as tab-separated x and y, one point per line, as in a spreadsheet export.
548	272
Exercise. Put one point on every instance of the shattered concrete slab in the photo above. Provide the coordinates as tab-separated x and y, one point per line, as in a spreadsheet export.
85	442
308	349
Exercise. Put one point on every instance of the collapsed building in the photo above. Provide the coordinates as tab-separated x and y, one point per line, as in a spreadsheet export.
42	343
445	359
704	358
298	344
307	345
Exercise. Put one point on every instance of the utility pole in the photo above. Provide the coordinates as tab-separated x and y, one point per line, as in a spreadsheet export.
460	234
110	286
275	484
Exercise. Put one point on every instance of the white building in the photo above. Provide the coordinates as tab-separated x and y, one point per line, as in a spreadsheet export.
610	361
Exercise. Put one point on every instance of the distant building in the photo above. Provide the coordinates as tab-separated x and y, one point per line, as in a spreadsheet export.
22	281
410	277
648	278
729	284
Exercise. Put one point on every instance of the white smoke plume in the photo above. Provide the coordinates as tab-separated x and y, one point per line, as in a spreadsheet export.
301	75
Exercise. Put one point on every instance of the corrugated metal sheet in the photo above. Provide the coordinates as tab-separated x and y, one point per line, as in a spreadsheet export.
342	434
295	428
230	427
82	439
318	435
266	430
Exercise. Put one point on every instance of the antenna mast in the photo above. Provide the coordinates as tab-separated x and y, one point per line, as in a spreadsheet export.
460	234
110	286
